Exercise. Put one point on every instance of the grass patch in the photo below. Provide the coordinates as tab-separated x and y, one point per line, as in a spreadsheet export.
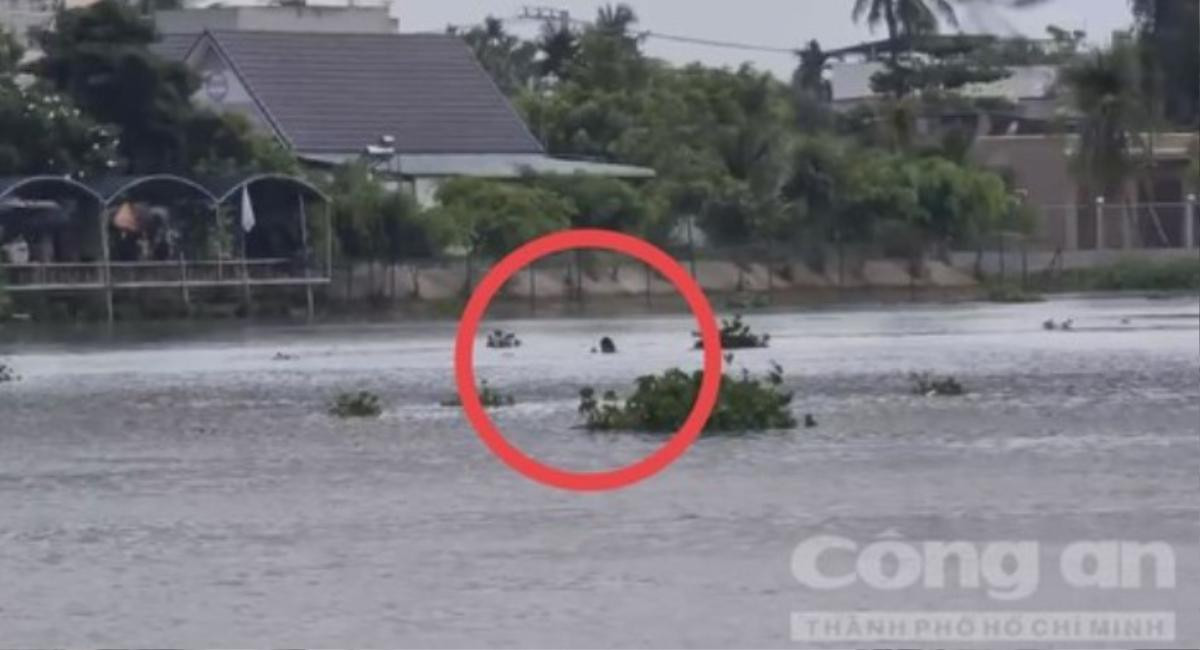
1134	275
661	403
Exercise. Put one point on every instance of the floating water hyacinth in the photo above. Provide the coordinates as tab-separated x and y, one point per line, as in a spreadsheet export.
736	335
661	403
363	404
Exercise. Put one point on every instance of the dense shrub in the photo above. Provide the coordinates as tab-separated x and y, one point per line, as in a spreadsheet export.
661	403
736	335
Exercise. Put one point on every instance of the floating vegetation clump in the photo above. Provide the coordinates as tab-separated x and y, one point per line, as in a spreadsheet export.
7	374
661	403
363	404
503	340
736	335
930	385
488	396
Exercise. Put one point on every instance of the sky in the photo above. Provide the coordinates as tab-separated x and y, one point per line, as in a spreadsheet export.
774	23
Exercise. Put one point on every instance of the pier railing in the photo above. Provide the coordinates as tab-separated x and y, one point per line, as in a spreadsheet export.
164	274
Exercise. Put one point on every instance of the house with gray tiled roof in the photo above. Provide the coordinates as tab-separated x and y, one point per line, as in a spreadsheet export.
331	96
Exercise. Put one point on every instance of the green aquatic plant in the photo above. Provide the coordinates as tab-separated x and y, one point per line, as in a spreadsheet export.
363	404
503	340
736	335
930	385
488	396
1134	275
661	403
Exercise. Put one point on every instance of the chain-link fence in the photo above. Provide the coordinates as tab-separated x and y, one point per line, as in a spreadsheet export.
756	274
1116	226
1061	237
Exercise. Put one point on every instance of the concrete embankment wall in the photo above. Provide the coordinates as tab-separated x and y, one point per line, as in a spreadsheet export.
605	276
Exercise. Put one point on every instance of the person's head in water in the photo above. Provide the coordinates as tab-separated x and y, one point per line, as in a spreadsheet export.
607	346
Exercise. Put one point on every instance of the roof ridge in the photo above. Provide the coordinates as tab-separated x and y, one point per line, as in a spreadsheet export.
262	106
508	104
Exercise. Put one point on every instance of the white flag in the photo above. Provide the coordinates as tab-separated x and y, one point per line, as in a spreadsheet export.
247	210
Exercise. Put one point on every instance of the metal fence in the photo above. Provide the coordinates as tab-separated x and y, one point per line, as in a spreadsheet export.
1116	226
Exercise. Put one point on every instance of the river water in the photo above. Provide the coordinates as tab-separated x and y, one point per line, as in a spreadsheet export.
191	491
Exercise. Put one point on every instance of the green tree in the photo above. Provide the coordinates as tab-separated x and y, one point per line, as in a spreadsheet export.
508	59
99	57
904	19
490	218
43	131
10	55
374	223
558	45
598	201
1105	91
609	56
1168	31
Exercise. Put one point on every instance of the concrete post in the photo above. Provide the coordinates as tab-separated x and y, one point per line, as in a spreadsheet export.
309	303
1071	228
105	253
1189	223
1099	223
1127	226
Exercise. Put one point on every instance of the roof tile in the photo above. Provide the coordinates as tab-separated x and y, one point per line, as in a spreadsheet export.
341	92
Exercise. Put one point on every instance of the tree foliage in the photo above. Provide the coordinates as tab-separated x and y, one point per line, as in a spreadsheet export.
44	132
373	223
1104	88
489	218
99	57
506	58
1168	31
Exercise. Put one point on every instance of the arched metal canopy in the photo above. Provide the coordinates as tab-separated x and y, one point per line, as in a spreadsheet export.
224	189
107	189
11	186
111	188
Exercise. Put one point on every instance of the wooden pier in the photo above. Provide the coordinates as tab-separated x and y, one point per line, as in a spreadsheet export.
218	202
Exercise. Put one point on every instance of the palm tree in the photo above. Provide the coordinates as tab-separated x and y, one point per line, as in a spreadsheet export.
905	19
508	59
558	44
615	20
1115	156
1104	89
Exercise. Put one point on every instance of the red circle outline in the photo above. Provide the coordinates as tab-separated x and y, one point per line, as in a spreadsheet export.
498	276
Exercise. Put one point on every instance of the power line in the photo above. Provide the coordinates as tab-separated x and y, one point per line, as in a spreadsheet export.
732	45
562	16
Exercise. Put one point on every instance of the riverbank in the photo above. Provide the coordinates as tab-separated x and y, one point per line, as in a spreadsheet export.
614	286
